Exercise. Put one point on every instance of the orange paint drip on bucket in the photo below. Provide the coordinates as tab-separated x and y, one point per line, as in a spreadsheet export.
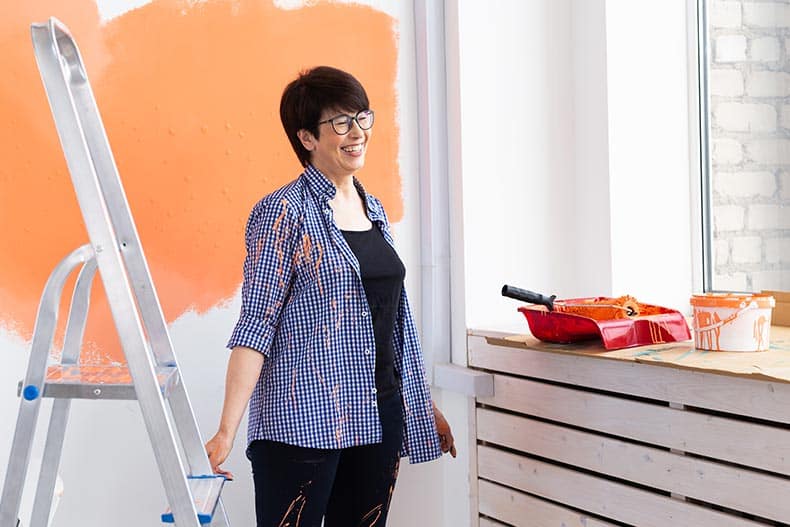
732	322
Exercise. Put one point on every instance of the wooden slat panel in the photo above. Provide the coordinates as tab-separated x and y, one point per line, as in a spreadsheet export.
756	398
523	510
597	495
487	522
749	444
731	487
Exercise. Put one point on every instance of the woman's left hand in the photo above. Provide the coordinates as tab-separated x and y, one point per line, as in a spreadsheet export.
446	439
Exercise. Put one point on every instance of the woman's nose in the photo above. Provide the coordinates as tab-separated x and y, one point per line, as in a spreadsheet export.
355	129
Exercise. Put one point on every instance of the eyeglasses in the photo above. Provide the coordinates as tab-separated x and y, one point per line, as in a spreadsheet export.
341	124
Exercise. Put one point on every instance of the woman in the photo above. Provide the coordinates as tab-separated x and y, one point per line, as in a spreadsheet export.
325	349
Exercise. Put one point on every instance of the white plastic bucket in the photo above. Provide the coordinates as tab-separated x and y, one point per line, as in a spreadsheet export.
732	322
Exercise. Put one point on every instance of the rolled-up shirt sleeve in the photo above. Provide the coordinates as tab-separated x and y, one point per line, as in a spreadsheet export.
269	238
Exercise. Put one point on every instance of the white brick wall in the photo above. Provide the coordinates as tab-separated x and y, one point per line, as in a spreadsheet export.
768	84
730	282
768	151
749	104
725	14
727	152
777	250
785	117
731	48
766	217
727	82
765	49
748	249
721	249
777	279
744	184
766	14
745	117
728	218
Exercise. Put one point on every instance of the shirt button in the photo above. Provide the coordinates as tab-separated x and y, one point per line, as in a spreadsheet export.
367	351
373	391
364	313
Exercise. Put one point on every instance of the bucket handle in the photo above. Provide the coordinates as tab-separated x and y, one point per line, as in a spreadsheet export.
750	305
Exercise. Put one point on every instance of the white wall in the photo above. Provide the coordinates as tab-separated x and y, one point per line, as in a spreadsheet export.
649	151
516	84
592	238
575	152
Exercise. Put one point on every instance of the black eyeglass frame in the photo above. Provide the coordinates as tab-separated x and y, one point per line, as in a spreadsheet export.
351	118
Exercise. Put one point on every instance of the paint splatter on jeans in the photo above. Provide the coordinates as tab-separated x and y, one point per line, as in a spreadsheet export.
352	487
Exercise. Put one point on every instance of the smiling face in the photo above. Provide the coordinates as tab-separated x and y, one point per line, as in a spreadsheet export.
336	155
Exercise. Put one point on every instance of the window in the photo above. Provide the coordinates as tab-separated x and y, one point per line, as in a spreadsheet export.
745	114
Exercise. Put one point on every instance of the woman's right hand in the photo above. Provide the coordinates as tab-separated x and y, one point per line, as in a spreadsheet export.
244	367
218	448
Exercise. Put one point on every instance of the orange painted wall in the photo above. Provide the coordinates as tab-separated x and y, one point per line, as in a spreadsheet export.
189	98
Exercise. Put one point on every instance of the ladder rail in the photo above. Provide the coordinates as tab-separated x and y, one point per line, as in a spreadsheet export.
78	313
29	406
53	448
137	268
139	274
133	255
194	449
64	77
118	208
50	461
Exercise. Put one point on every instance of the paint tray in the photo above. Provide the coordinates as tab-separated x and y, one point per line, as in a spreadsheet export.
654	325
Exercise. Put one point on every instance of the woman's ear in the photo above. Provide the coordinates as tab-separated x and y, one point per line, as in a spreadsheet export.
307	139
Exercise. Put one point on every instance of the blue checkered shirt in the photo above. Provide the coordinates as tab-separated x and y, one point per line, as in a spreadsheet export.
304	308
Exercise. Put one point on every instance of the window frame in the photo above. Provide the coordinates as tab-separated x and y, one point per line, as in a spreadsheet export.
704	132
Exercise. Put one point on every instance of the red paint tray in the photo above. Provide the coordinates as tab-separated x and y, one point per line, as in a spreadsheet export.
661	325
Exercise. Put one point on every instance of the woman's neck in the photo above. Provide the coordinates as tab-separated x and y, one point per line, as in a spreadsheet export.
343	183
349	208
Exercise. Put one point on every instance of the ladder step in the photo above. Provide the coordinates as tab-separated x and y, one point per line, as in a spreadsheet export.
205	491
99	382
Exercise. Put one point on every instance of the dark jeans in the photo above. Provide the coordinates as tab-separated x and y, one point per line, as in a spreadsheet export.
352	487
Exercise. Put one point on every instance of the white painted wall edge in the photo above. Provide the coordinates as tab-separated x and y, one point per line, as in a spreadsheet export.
695	105
463	380
432	153
460	475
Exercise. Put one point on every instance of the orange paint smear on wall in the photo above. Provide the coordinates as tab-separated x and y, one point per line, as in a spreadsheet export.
190	100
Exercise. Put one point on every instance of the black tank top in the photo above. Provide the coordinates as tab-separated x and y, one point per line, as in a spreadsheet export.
382	278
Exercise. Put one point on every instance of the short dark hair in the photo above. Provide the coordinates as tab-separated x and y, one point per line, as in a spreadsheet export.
312	92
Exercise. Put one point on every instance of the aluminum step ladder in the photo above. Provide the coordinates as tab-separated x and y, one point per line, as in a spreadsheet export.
152	376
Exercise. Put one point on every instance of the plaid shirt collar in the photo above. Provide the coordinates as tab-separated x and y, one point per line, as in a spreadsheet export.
323	189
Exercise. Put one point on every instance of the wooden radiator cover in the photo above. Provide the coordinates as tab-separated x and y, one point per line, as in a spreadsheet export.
664	436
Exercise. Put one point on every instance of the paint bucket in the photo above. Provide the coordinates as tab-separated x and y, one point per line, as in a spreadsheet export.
732	321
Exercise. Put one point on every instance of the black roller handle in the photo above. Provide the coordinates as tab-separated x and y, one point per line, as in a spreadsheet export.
528	296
